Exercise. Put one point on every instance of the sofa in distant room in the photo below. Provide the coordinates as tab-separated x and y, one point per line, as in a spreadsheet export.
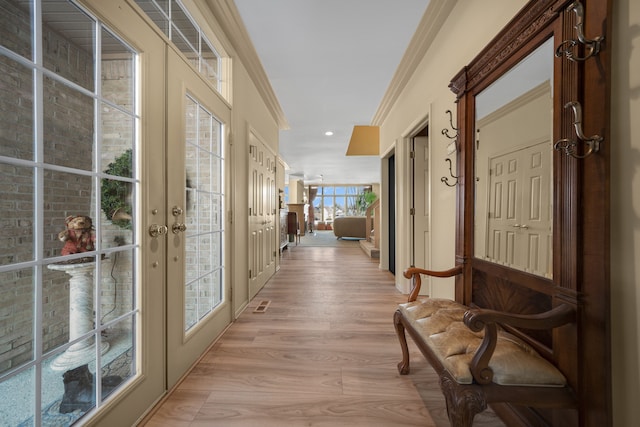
350	226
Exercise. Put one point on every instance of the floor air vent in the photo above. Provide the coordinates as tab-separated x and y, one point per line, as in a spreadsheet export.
262	307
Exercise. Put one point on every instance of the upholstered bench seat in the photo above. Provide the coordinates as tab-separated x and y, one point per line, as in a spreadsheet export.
440	324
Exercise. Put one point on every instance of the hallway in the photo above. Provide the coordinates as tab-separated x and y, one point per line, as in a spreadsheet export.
323	353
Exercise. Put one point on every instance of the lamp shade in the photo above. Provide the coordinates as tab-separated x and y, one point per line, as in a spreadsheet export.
365	141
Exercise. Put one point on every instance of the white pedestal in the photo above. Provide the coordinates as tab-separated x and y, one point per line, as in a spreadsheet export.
80	317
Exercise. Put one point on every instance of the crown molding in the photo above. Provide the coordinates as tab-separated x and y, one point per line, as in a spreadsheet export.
432	21
231	24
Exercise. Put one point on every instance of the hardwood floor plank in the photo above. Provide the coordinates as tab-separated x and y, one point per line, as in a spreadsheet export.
287	409
323	353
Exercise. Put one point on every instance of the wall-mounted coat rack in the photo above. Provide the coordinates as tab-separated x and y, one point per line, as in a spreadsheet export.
445	132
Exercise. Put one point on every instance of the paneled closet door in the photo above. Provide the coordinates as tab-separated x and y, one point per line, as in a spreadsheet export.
262	214
198	305
519	225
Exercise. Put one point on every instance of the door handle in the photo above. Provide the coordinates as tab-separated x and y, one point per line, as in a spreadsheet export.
156	230
178	227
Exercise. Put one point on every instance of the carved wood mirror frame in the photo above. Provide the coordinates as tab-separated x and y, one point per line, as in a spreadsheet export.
580	205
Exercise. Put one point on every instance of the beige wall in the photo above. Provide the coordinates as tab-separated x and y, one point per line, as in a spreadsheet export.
470	26
625	212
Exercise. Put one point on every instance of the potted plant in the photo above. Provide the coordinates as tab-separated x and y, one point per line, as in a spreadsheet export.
115	193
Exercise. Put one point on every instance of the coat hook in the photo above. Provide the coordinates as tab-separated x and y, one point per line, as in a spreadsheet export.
446	179
445	132
566	47
569	145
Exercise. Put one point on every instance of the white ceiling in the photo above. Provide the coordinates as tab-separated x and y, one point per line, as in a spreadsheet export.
330	63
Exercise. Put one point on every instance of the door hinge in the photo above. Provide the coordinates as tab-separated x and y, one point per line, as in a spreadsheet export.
250	276
412	154
412	211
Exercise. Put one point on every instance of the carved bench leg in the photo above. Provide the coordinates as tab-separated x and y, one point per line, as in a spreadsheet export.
463	403
403	367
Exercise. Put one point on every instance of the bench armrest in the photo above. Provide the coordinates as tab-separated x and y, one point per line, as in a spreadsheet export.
477	319
414	273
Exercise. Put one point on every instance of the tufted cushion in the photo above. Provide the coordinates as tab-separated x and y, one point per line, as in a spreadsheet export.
514	362
423	308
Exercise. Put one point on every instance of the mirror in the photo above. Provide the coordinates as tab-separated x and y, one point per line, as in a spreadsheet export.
514	166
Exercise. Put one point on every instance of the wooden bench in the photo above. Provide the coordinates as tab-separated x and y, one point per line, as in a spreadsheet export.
477	358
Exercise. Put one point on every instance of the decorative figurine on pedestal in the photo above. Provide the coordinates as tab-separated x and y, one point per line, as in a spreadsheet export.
79	236
79	383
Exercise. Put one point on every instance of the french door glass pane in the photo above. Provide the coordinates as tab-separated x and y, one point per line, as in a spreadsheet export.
69	126
69	42
18	403
16	105
118	134
203	216
17	296
21	15
17	194
64	195
118	289
117	70
119	364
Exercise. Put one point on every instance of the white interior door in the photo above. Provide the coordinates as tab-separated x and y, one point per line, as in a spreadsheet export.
519	224
421	202
263	242
198	306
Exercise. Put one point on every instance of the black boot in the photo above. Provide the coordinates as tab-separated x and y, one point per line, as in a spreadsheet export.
78	390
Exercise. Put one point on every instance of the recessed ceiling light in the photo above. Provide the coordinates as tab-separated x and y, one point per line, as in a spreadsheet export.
328	133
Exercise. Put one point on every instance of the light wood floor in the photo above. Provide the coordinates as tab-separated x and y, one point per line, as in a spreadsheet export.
324	353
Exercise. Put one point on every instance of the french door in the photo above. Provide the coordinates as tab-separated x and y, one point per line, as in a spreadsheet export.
79	311
198	304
